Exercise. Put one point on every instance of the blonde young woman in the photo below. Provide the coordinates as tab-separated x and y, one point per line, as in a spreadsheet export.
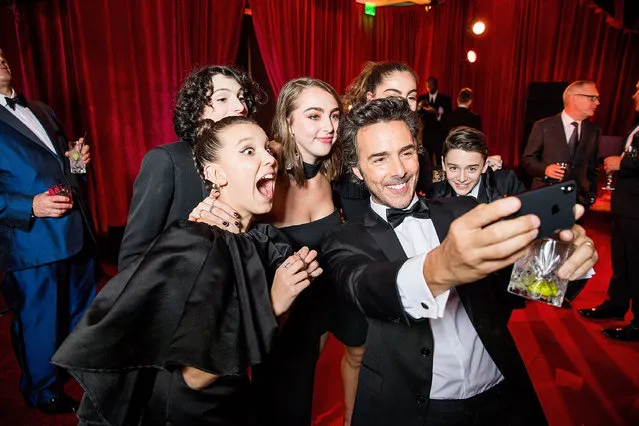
307	115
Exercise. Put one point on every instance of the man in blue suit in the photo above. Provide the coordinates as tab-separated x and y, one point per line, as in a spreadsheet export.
45	241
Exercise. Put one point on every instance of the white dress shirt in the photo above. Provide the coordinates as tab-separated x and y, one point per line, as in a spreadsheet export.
475	190
462	367
630	137
568	127
28	119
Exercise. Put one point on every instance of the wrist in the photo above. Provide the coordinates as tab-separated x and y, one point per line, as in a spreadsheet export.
435	272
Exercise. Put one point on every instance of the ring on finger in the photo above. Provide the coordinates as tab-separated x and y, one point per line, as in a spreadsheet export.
212	206
286	265
588	243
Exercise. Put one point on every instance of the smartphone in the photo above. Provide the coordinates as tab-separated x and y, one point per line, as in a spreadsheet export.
554	205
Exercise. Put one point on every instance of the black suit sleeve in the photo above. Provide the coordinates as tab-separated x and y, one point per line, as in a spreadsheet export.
479	125
629	166
152	194
369	283
531	159
591	172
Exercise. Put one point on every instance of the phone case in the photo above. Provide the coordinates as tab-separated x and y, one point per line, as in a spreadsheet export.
553	205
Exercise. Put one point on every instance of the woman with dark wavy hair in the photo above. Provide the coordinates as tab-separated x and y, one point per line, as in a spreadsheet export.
168	186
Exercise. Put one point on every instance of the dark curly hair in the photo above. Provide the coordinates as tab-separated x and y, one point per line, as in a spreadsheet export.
366	114
196	92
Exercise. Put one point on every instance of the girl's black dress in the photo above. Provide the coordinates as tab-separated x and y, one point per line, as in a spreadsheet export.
199	297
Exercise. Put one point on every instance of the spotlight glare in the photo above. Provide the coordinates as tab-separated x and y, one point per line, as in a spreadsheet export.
479	27
471	56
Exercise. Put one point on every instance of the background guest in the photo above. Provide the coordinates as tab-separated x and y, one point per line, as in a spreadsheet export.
568	138
463	116
624	284
45	241
434	109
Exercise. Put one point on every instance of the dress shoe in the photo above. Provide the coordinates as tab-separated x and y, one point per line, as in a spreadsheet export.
602	312
629	333
61	404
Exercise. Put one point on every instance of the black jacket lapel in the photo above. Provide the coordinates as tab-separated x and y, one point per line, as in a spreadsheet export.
384	235
12	121
559	138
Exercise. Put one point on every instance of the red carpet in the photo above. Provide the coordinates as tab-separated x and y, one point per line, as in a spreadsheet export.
581	377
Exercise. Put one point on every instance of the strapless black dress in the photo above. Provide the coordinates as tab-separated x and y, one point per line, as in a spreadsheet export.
284	382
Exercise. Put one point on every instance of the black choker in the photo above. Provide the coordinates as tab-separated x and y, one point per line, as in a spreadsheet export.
311	170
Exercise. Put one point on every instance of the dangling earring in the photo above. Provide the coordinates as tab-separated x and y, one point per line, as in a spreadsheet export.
215	186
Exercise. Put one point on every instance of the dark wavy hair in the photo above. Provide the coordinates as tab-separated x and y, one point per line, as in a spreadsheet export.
197	90
368	113
208	142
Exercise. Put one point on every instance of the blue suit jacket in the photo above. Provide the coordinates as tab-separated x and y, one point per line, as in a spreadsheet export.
28	168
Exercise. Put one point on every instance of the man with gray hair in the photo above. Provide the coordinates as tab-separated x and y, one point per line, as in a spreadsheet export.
565	146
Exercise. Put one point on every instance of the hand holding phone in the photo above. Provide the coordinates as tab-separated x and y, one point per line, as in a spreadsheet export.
554	205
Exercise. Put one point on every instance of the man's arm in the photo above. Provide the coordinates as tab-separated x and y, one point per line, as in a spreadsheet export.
531	158
15	210
152	195
368	282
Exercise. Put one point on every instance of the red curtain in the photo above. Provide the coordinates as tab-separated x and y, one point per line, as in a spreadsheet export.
112	68
331	39
526	41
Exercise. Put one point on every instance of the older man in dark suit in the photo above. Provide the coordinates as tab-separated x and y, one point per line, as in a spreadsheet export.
438	353
565	146
624	284
49	276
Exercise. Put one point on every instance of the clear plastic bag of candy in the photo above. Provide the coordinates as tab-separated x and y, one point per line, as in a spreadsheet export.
535	277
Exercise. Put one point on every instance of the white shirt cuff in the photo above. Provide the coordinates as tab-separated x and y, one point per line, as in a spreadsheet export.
589	274
416	297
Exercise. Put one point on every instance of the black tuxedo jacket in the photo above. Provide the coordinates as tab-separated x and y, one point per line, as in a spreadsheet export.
625	197
440	101
547	145
464	117
494	185
396	374
167	189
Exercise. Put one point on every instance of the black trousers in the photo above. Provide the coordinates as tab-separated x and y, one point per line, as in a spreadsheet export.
624	284
490	408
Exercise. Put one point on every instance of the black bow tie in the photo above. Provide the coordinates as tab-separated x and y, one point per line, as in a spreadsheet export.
419	210
19	99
